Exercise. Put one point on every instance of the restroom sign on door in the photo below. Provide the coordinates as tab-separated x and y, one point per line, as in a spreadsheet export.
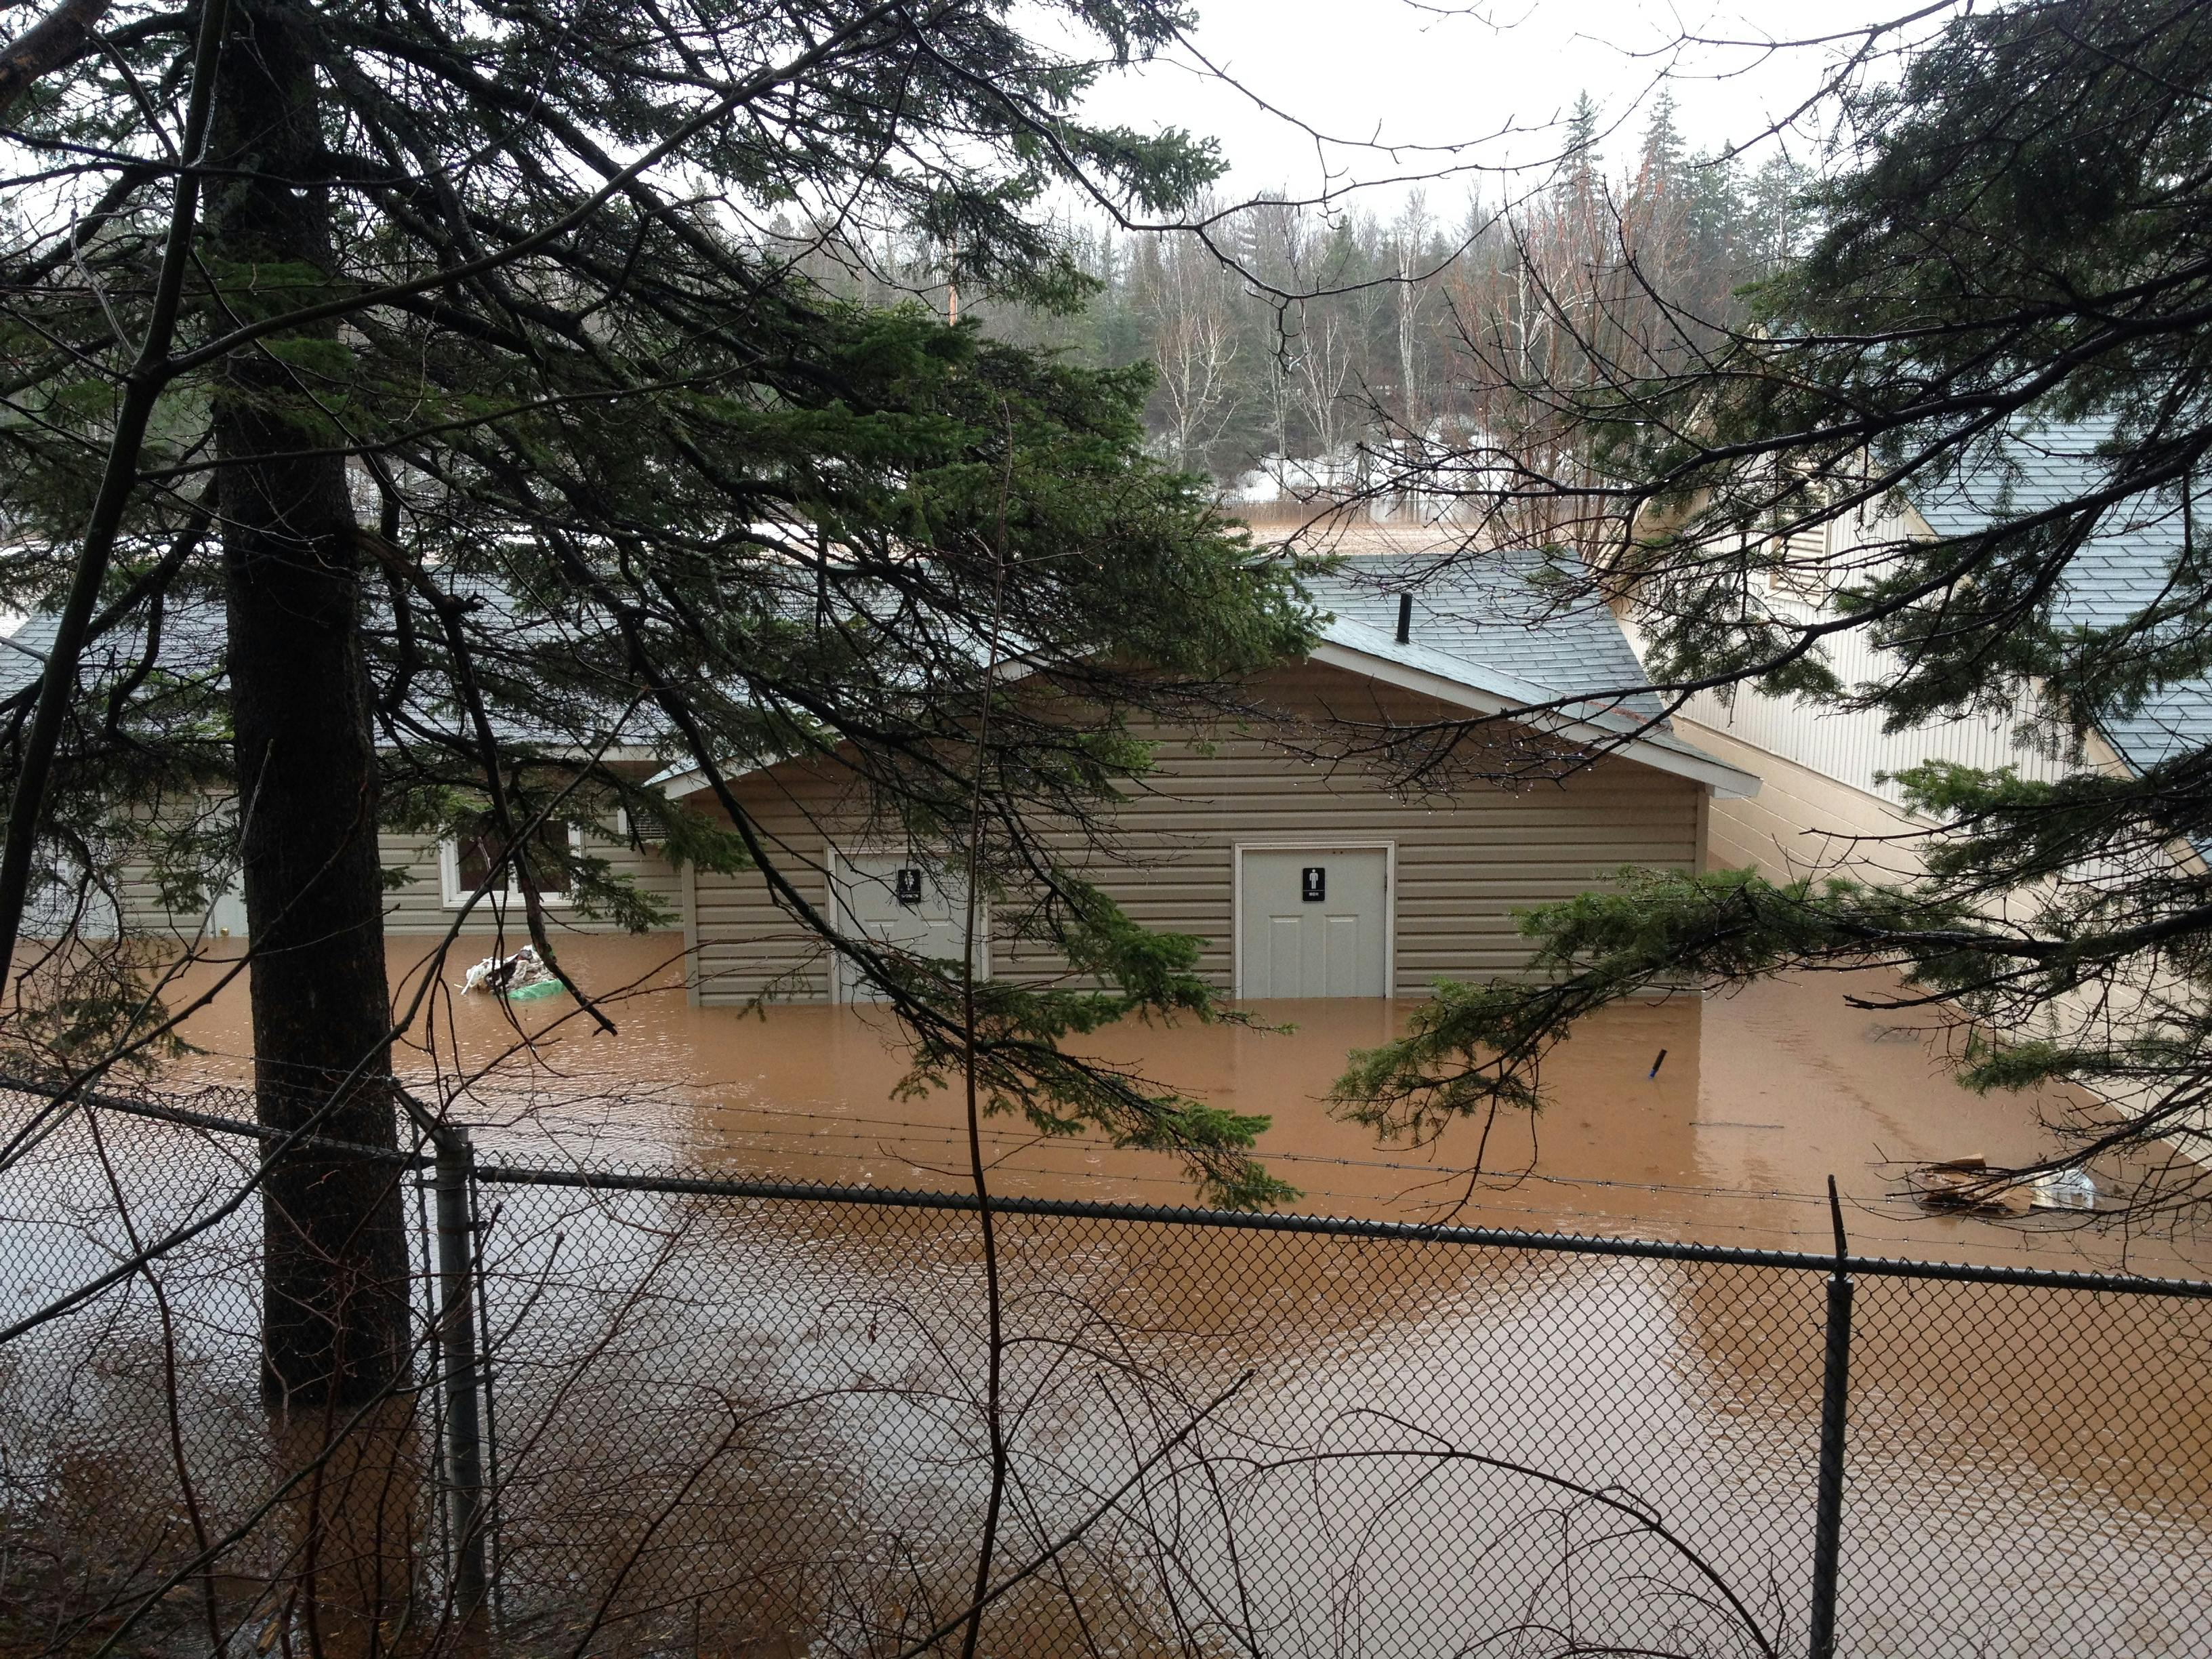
1313	884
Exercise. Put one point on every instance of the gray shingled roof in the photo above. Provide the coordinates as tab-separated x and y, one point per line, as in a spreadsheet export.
191	645
1485	622
1490	611
1486	610
2120	570
194	633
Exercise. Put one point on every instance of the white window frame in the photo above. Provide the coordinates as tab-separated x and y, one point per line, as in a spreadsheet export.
838	880
1328	844
454	896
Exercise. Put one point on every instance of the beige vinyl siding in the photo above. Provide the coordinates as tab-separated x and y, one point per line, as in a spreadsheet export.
1465	866
746	946
138	906
419	906
1803	822
139	900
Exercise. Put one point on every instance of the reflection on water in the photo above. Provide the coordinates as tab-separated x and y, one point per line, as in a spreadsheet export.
1760	1097
1385	1476
770	1406
354	1527
139	1474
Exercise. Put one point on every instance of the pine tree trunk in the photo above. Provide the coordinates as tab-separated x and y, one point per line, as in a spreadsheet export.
335	1305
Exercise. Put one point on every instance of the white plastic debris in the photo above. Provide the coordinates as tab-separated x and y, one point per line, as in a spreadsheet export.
2064	1190
505	976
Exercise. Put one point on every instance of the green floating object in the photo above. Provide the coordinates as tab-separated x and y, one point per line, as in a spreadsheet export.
545	987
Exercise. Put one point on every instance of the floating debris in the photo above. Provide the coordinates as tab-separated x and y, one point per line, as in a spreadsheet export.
522	977
2064	1190
1967	1186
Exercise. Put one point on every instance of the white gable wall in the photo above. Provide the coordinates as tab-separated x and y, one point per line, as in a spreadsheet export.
1827	790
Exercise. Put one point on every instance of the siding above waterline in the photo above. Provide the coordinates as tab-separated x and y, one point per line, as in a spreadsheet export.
1466	864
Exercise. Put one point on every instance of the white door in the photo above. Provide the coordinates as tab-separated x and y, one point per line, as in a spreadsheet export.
1315	922
896	899
227	916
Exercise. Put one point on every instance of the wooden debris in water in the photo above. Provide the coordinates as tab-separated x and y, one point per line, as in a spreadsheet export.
1967	1186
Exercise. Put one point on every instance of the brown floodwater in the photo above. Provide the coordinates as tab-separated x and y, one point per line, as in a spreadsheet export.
2031	1470
1759	1098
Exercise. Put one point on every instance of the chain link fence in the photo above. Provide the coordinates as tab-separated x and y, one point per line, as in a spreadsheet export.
694	1416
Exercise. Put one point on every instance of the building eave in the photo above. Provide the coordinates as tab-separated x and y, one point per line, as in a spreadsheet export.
1648	746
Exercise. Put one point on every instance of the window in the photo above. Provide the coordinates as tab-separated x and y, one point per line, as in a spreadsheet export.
464	861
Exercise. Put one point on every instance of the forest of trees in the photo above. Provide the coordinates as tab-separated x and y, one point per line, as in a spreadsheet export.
1300	344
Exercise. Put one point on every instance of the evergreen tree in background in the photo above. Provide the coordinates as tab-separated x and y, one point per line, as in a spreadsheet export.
1578	183
1662	154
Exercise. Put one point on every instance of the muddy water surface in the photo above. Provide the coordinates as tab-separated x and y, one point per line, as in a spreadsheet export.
1758	1099
2031	1470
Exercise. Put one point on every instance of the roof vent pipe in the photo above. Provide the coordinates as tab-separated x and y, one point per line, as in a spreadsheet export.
1405	617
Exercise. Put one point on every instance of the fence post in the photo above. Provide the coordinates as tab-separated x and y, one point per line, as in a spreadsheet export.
1835	1395
456	1353
489	1394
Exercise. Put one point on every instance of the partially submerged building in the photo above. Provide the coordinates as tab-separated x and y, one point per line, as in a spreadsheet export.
1352	840
1299	852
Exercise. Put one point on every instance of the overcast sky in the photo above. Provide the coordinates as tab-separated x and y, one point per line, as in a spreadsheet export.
1412	74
